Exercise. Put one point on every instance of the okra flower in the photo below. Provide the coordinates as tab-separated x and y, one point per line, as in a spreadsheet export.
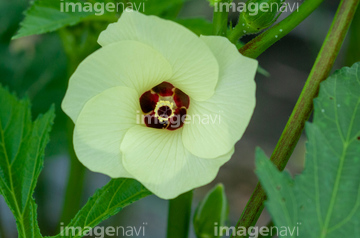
139	104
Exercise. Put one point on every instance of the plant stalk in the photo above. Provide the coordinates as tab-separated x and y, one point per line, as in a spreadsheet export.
304	106
220	19
179	216
262	42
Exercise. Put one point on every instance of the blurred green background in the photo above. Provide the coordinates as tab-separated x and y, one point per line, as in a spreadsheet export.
37	66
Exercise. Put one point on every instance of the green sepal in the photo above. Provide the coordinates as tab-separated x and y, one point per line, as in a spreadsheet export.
211	212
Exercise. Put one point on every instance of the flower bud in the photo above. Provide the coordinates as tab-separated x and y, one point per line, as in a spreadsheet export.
260	14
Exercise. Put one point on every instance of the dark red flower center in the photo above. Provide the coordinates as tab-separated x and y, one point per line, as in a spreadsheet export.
164	107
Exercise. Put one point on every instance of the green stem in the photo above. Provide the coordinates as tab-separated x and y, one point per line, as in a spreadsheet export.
220	19
179	216
303	108
262	42
237	32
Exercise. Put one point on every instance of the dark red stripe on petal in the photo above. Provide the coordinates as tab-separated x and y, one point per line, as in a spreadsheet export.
177	121
164	89
148	101
181	99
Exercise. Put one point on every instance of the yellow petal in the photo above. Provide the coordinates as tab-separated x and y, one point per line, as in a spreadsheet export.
159	160
195	69
214	126
128	63
100	128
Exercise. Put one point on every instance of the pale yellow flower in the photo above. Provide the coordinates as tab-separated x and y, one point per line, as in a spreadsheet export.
172	72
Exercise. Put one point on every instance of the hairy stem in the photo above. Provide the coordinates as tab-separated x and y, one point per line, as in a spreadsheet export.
262	42
304	105
179	216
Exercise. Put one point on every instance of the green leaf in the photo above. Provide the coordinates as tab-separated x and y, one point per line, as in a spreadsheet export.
212	211
45	16
199	26
324	201
22	145
106	202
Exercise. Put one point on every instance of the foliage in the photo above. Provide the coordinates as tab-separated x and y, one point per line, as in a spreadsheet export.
22	148
324	201
45	16
21	160
106	202
212	211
